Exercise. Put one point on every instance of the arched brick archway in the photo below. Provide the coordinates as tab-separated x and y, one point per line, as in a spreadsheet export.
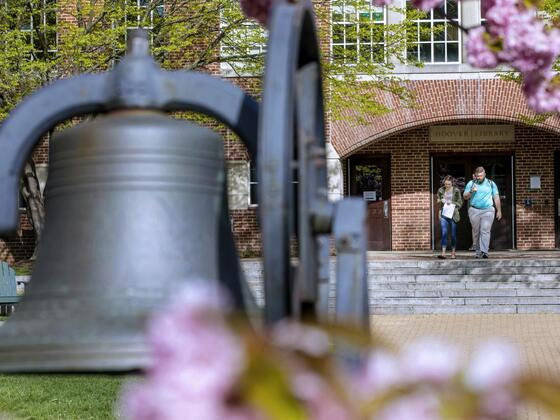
439	101
458	102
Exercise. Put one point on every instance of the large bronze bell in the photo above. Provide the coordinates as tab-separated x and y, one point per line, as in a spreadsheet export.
136	208
133	207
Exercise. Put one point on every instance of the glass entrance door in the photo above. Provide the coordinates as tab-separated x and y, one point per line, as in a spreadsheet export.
370	179
498	169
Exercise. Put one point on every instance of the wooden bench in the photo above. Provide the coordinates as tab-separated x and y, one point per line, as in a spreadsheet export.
8	289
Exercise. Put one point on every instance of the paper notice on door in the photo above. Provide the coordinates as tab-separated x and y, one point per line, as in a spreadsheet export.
448	210
370	195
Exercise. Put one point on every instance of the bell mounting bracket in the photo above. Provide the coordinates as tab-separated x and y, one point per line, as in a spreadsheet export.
292	156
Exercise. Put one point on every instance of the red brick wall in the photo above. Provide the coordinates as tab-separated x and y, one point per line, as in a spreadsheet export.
438	101
410	184
535	156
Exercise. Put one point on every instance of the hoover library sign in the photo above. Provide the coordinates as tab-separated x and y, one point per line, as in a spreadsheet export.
472	133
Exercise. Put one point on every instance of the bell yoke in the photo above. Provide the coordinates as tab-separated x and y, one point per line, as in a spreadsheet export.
137	203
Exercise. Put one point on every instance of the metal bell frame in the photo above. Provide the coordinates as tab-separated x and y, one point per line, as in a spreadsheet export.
292	136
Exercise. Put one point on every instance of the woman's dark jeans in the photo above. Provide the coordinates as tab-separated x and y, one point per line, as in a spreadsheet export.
447	225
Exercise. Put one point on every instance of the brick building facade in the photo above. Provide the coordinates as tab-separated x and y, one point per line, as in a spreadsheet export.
395	161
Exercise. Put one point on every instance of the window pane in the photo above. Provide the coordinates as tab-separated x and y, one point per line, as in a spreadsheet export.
412	53
439	13
379	33
365	53
351	53
452	33
349	13
439	31
253	196
453	52
338	34
452	9
439	52
379	53
426	52
365	33
425	31
337	15
351	34
364	16
378	13
338	53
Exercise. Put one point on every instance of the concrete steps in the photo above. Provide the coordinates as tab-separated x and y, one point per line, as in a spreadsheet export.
462	286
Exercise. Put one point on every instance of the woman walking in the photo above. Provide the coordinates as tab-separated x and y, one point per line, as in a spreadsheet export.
450	201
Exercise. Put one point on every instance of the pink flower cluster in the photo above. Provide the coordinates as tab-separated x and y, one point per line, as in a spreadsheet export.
257	9
196	362
199	363
514	35
436	368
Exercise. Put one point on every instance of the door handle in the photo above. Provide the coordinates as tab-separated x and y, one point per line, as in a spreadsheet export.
386	209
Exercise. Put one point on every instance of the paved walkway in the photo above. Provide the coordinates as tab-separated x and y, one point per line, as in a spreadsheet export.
537	337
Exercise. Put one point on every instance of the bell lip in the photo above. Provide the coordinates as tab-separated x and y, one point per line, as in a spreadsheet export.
122	358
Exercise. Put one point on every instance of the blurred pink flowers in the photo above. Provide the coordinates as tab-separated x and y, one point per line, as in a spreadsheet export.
514	35
197	360
203	370
257	9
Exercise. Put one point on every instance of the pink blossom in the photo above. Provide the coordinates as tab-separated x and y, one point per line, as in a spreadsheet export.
528	46
418	406
310	340
499	14
319	398
494	365
257	9
499	404
382	371
197	360
426	5
430	360
381	3
478	52
543	95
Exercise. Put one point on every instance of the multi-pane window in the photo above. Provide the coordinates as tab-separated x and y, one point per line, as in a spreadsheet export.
38	21
253	185
434	39
358	31
243	43
144	14
254	182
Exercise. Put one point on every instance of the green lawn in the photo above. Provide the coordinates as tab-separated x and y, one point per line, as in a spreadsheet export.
44	397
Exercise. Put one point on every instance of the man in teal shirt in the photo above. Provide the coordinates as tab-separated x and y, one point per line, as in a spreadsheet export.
482	193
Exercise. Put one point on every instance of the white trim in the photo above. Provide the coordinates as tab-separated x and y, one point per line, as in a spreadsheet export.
249	183
438	76
357	44
431	20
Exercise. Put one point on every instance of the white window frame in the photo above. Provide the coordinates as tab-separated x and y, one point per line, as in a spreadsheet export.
251	182
139	5
31	29
225	68
344	42
433	21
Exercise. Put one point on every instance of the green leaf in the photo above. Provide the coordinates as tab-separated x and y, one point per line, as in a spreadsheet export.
264	385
